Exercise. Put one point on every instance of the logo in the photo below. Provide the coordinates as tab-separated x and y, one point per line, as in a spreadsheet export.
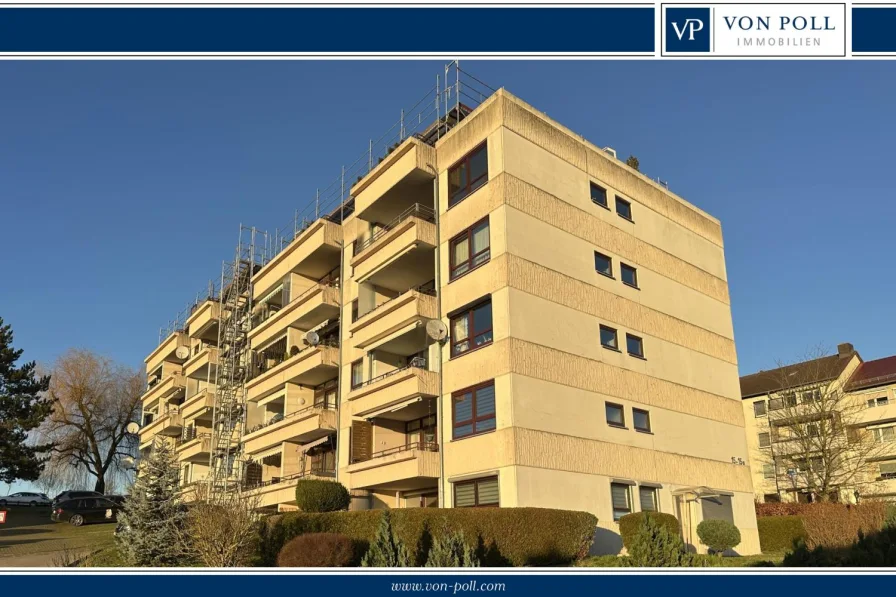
687	29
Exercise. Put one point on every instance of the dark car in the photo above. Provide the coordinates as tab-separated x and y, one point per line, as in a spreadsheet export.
88	509
71	495
118	499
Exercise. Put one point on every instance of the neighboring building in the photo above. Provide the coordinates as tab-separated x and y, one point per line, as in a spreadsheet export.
503	314
782	420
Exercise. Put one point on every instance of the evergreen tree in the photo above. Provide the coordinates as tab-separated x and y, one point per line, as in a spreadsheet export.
153	516
633	162
451	551
655	546
387	550
23	407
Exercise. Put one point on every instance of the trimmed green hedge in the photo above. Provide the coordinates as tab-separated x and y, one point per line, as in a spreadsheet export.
630	523
778	533
504	536
320	495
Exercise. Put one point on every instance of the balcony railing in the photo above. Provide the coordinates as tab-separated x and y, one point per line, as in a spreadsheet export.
415	363
427	288
294	477
328	405
421	445
415	211
280	358
331	280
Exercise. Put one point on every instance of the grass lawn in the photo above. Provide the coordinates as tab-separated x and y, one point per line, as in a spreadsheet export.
765	559
29	532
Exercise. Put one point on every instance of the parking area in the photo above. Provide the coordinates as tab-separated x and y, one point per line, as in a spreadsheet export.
30	538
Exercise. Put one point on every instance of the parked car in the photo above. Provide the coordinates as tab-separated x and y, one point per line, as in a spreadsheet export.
71	495
83	510
118	499
25	498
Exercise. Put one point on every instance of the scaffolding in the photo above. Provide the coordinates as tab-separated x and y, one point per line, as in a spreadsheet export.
179	323
234	363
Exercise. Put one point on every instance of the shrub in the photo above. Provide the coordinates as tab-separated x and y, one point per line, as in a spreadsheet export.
503	536
778	533
606	561
630	524
780	509
451	551
839	525
890	520
718	535
319	495
876	549
386	550
317	550
656	546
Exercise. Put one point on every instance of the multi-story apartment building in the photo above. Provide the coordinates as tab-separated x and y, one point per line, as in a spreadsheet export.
502	314
828	421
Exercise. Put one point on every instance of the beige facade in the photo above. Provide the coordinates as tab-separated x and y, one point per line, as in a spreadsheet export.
548	383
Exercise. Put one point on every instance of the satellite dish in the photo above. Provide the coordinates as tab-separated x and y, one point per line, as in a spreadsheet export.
128	462
182	352
312	338
437	330
133	428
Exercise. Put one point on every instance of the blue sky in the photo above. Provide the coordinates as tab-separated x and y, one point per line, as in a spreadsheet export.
122	184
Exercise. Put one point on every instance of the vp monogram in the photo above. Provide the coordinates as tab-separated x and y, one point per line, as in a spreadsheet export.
691	26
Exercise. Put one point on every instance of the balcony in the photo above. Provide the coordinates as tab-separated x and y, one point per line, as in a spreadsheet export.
167	351
404	172
394	390
311	308
312	366
198	406
395	317
313	253
196	448
169	424
877	414
403	468
400	255
305	425
282	490
166	389
202	365
203	321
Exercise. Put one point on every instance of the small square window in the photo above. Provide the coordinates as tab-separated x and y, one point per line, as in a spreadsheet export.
629	275
608	338
634	345
641	419
764	440
615	415
599	195
648	499
624	209
759	408
603	264
768	471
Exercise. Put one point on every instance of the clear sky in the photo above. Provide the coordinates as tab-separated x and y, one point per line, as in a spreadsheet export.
122	184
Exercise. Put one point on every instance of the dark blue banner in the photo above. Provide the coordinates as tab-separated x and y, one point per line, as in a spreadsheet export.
465	30
874	29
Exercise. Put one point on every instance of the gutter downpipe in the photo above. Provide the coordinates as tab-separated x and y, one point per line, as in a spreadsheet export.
341	328
438	289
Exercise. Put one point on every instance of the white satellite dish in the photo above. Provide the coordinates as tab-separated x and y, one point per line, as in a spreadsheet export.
129	463
312	338
133	428
182	352
437	330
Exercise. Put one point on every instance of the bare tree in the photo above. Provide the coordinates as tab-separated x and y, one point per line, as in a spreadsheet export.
95	399
817	442
220	532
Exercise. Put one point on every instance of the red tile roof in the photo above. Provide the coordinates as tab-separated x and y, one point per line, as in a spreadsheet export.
874	373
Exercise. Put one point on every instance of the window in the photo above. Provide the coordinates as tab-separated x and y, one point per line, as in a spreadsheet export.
421	431
634	345
790	399
599	195
471	328
759	408
615	415
812	430
641	419
811	396
473	410
888	470
647	498
768	471
469	249
882	401
624	209
622	500
608	338
629	275
467	175
764	440
357	373
354	310
603	264
771	498
479	492
884	434
775	404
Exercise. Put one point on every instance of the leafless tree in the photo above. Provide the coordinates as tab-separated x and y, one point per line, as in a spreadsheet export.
818	444
95	399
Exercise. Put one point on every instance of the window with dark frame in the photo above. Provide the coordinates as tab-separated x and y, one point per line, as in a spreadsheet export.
469	249
603	264
648	499
641	419
599	195
624	209
615	414
608	338
354	310
472	328
476	493
634	345
629	275
759	408
357	373
473	410
765	440
622	500
421	432
467	175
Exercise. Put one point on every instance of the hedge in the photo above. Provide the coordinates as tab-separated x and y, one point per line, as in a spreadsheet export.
630	523
320	495
778	533
504	536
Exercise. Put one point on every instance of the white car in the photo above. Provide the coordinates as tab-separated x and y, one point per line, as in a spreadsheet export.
25	498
